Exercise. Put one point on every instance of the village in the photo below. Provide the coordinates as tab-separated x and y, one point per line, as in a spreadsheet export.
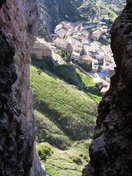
81	47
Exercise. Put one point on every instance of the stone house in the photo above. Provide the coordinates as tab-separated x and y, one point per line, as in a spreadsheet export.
75	56
104	90
63	44
78	26
98	82
85	33
96	35
100	58
41	50
62	33
74	42
84	58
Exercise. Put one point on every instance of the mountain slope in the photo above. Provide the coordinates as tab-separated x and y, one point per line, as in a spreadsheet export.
66	118
72	110
54	11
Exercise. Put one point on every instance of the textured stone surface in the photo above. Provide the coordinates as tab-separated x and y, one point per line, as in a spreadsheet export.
18	24
113	156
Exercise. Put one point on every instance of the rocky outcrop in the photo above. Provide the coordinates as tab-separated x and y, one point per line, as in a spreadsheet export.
18	24
111	150
49	17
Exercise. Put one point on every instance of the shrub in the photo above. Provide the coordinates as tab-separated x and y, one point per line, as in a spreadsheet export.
81	155
58	141
68	73
76	160
86	159
86	66
43	151
64	55
45	63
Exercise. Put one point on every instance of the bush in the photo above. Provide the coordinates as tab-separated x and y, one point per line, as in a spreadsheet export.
76	160
64	55
86	66
45	63
58	141
43	151
86	159
81	155
68	73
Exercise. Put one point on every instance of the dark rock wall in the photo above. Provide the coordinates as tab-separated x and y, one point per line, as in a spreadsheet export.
18	24
111	150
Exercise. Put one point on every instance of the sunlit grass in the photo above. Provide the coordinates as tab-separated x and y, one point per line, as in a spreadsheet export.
73	110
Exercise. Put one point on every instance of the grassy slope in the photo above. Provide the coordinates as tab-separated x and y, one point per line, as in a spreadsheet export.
88	86
64	115
61	163
70	74
72	110
49	132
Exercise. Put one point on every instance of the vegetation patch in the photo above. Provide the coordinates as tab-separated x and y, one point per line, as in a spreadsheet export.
68	73
87	66
49	132
67	162
89	87
43	151
66	118
76	160
42	64
64	55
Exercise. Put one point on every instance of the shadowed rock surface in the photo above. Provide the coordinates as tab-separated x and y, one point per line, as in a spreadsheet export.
111	150
18	24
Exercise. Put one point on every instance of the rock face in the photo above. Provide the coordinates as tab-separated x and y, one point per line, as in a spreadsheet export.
18	24
111	150
49	16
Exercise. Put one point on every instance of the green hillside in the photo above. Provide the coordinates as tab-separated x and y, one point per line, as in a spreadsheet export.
65	163
89	9
72	110
66	118
93	9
